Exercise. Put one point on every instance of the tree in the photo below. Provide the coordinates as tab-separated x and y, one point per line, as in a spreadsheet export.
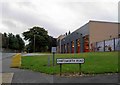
21	43
4	40
66	33
52	43
13	42
38	39
69	32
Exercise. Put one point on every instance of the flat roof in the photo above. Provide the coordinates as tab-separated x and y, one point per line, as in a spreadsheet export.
103	21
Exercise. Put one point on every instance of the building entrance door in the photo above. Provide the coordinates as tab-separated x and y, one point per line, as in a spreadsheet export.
78	46
72	46
86	43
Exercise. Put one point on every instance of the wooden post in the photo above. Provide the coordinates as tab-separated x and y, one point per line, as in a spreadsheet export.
60	69
79	68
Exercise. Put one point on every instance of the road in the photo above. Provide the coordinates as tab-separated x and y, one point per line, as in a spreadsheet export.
23	76
27	76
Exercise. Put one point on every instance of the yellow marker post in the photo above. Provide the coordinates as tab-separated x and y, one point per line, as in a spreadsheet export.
16	61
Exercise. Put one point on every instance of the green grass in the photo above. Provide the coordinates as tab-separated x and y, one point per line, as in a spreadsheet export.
95	63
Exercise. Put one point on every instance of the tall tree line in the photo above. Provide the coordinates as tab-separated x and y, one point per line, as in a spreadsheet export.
13	42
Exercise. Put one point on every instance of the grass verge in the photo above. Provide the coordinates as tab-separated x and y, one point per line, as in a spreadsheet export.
95	63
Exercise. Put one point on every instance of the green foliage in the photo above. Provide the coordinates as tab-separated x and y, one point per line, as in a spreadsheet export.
11	41
20	42
38	38
95	63
52	43
4	40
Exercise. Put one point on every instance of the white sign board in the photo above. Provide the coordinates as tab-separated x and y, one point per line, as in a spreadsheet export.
54	49
117	44
109	43
63	61
100	46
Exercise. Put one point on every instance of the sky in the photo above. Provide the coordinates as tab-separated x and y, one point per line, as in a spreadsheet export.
56	16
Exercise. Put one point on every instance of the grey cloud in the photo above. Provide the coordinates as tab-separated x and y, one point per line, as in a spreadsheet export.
25	3
27	19
9	24
19	15
93	10
82	10
12	26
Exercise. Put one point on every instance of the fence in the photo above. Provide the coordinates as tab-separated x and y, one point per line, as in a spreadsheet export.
107	45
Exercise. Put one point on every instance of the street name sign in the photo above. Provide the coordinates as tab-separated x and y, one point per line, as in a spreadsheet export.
67	61
61	61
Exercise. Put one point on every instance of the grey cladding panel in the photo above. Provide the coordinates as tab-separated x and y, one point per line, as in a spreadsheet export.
84	30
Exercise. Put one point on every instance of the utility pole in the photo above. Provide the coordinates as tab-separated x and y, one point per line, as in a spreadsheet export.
8	43
60	45
34	43
34	39
35	35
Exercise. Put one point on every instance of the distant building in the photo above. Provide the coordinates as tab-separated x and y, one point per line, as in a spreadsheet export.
59	43
93	36
0	42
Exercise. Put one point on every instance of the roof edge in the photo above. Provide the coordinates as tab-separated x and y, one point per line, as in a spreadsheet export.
104	21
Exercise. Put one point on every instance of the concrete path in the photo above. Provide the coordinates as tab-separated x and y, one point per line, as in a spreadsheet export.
27	76
6	77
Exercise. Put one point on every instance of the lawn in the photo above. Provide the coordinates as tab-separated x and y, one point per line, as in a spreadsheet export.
95	63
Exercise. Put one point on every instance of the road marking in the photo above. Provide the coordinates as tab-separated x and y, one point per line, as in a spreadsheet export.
6	77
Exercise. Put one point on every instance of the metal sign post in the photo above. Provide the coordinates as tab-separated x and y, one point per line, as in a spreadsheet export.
53	51
53	58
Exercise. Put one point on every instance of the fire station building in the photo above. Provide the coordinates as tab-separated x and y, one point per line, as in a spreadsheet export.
91	37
